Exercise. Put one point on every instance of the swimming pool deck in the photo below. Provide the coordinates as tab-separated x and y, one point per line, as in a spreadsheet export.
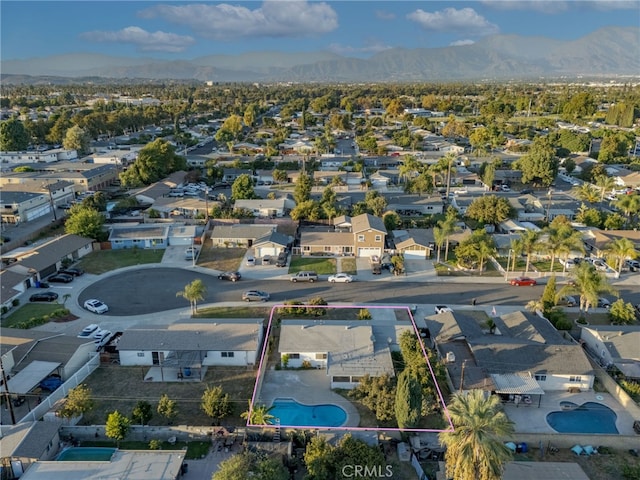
310	387
531	419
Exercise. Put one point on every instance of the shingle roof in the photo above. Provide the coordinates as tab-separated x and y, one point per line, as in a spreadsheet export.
119	232
273	237
326	239
366	221
51	252
28	440
241	231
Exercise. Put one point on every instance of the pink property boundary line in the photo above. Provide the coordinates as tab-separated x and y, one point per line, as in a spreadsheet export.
307	427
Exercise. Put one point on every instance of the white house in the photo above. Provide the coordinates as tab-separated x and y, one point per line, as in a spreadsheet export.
615	345
278	207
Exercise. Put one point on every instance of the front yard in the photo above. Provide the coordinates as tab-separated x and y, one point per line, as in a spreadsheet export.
320	265
107	260
222	259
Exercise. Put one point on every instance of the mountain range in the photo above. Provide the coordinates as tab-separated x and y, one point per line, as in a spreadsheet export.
608	52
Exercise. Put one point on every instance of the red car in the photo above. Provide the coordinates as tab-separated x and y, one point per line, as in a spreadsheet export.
520	281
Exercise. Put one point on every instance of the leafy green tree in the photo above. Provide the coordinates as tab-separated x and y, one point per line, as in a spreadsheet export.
352	451
318	457
392	221
302	191
622	313
539	165
141	413
408	400
476	249
117	427
193	292
13	136
78	402
167	408
604	183
376	203
155	161
591	217
279	176
230	129
242	188
309	209
251	465
378	394
587	193
86	222
97	201
549	295
215	403
76	139
475	448
490	209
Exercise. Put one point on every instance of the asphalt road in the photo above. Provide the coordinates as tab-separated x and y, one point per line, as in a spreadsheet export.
154	290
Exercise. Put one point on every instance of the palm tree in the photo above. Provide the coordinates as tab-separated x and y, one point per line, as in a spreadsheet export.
621	249
439	237
193	292
449	227
561	240
475	448
605	183
259	414
485	246
586	192
589	284
530	243
629	204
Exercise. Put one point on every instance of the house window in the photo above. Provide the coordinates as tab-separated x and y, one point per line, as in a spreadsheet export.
378	238
356	379
541	378
141	354
327	248
348	249
361	238
227	354
341	379
294	356
306	248
321	356
575	378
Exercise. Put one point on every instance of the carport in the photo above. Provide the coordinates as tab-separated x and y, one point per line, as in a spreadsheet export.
30	377
517	386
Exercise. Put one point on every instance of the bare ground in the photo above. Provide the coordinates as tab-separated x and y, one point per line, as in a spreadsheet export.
223	259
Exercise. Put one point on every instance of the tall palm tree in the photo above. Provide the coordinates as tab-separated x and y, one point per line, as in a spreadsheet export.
439	236
530	241
561	240
629	204
621	249
448	227
589	284
605	183
485	245
475	449
194	292
586	192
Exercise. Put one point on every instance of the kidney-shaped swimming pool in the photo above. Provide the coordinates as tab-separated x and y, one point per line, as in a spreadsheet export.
294	414
590	417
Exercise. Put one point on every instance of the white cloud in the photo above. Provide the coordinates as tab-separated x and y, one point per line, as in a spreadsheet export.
384	15
543	6
373	47
146	41
461	43
613	4
275	18
465	20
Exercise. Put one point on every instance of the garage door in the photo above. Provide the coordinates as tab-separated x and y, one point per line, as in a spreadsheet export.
368	251
415	254
264	251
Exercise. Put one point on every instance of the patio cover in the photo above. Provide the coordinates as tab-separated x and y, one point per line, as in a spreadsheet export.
514	383
629	369
30	377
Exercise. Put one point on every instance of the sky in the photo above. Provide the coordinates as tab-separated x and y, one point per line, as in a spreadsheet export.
184	29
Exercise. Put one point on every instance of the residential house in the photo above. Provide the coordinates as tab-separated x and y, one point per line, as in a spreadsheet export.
121	158
239	234
13	283
626	178
57	192
419	243
33	156
231	174
271	244
123	236
84	176
186	207
192	344
369	235
345	350
412	205
26	443
326	241
614	346
521	353
596	241
278	207
162	188
20	206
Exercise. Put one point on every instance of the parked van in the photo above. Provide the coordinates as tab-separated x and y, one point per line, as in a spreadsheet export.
308	276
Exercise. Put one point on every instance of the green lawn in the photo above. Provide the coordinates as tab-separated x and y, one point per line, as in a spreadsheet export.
195	450
106	260
320	265
233	312
29	310
349	266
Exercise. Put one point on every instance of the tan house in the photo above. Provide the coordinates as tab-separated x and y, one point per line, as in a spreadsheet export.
362	236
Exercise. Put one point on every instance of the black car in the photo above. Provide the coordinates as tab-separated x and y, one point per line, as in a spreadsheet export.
233	276
74	272
60	278
526	191
222	185
376	269
282	260
44	297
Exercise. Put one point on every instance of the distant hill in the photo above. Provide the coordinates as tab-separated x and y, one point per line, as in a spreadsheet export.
608	52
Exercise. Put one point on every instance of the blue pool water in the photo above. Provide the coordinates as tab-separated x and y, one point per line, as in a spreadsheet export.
590	417
296	414
86	454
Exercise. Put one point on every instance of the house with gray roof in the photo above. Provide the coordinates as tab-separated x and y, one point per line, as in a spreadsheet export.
271	244
520	353
193	346
25	443
278	207
23	206
123	236
345	350
239	234
614	346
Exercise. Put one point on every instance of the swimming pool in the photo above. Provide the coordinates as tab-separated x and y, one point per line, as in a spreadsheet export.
86	454
294	414
590	417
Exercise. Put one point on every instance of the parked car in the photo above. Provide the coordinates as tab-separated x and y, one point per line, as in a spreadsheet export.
569	301
96	306
305	276
190	253
282	260
604	303
376	269
568	263
443	309
88	331
60	278
523	281
44	297
266	260
74	272
341	278
505	188
634	265
102	338
526	191
255	296
251	261
233	276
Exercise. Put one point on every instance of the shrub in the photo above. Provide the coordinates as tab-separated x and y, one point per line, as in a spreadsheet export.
285	360
4	309
563	324
364	314
15	302
306	365
632	388
155	444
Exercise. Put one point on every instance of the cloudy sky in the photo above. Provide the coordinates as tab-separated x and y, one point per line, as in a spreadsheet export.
185	29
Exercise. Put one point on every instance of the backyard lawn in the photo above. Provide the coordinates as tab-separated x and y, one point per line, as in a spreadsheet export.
320	265
106	260
222	259
28	311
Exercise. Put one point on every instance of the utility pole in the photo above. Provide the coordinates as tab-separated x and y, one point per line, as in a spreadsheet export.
53	206
464	363
7	394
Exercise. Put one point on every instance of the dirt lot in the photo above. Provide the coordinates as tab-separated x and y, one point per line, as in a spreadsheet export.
119	388
223	259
